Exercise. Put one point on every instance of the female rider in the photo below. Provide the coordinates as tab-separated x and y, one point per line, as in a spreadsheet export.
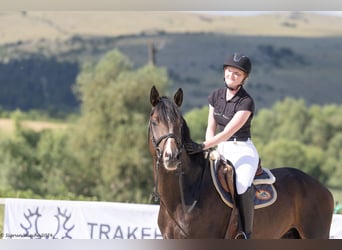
231	110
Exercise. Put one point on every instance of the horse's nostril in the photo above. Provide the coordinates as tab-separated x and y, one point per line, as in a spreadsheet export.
178	155
172	155
166	155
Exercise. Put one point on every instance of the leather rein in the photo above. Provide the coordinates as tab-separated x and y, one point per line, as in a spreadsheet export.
159	153
179	171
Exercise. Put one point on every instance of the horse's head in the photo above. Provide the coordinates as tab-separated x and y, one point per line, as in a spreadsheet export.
165	129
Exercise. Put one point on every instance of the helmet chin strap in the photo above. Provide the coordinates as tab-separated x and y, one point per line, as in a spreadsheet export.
230	88
237	87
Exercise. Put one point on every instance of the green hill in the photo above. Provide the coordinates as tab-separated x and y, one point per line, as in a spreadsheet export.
293	54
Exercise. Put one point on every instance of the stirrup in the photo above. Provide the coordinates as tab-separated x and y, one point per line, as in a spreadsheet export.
241	236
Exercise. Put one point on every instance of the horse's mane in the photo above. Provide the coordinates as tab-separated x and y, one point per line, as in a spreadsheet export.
169	111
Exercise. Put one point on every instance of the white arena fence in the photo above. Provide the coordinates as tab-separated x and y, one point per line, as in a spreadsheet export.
60	219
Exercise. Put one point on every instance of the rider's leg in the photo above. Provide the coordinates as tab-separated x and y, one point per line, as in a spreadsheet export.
246	209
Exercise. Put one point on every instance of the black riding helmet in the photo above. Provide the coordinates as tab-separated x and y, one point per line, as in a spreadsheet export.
239	61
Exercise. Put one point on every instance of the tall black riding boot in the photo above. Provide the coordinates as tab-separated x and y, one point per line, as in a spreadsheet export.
246	209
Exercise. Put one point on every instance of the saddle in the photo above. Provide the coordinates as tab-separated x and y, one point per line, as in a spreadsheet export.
223	175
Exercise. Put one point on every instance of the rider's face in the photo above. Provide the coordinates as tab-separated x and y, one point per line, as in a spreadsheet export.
233	76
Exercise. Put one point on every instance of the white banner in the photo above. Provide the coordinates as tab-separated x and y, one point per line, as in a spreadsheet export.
336	227
54	219
51	219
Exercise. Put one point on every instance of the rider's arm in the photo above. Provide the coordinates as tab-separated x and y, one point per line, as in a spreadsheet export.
238	120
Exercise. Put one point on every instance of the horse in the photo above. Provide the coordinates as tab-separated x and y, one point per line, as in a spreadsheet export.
191	208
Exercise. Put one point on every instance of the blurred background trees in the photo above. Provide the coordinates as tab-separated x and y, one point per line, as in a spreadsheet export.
103	153
292	134
110	138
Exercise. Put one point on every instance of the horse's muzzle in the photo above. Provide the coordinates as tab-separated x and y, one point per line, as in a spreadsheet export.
171	160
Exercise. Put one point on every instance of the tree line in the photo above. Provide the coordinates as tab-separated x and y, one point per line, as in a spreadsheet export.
292	134
38	83
103	155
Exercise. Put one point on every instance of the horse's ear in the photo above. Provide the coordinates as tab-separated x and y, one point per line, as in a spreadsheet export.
154	96
178	97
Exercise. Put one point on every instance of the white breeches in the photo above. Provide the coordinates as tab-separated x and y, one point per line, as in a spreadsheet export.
245	159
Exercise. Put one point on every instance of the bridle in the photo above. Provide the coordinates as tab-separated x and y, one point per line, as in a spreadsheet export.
178	171
159	153
156	142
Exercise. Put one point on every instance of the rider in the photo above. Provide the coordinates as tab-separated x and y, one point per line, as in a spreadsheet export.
231	110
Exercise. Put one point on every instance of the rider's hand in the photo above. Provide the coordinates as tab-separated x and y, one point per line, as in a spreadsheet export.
193	148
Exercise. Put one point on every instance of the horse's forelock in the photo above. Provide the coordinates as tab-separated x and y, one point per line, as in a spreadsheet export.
168	111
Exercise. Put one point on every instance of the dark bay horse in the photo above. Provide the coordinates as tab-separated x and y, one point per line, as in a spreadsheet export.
190	206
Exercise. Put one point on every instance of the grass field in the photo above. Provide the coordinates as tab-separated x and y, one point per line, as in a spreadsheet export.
35	25
7	125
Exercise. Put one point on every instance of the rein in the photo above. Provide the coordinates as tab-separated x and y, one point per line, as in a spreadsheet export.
159	153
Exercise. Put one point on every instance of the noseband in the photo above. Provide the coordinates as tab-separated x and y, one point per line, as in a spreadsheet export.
159	151
179	171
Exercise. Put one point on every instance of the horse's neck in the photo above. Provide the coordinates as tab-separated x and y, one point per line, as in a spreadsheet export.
188	178
193	166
